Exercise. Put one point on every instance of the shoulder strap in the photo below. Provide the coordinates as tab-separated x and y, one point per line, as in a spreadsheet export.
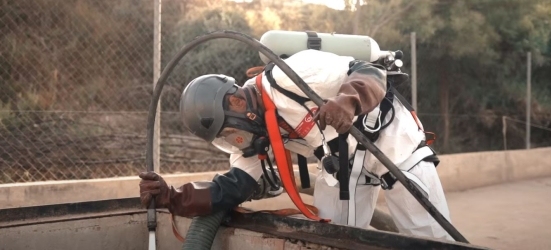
282	156
302	163
293	96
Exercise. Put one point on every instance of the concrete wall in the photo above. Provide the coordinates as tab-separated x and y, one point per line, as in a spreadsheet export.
470	170
457	172
117	232
55	192
129	232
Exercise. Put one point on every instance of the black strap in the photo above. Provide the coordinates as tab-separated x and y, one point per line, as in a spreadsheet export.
303	171
386	104
293	96
343	167
402	99
389	179
333	146
313	42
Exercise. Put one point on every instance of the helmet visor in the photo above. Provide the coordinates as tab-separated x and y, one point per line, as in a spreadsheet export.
232	140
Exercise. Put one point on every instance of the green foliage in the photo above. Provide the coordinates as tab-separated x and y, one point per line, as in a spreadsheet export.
55	48
471	54
224	56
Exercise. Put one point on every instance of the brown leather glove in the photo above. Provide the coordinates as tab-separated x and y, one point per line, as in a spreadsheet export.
153	185
338	113
362	91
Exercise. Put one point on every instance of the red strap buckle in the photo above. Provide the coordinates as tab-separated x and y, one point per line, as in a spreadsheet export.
430	137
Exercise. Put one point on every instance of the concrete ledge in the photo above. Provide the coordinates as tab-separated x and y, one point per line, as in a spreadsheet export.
121	224
457	172
54	192
460	172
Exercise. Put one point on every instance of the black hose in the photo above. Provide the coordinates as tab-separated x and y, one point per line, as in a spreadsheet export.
202	231
312	95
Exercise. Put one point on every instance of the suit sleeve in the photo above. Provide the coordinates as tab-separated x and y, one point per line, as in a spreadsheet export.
224	192
364	88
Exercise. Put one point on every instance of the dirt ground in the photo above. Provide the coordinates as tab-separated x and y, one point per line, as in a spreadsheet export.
508	216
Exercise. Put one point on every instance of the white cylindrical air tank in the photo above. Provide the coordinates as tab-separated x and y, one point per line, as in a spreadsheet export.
286	43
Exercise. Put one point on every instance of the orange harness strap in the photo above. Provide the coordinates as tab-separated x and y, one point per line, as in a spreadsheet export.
282	155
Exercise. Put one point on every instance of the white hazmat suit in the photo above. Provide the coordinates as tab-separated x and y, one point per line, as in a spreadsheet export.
325	72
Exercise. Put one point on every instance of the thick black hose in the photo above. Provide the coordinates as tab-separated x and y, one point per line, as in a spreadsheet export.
202	231
312	95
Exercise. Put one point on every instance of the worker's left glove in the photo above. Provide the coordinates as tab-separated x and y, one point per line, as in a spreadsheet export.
154	186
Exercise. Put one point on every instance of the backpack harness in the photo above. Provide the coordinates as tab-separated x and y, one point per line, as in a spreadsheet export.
370	124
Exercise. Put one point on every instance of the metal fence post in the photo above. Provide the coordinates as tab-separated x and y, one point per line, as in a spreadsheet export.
156	74
528	97
414	72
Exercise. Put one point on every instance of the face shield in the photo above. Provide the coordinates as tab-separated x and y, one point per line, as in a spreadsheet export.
240	128
233	141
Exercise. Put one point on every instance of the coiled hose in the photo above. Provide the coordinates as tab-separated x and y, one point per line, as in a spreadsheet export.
203	229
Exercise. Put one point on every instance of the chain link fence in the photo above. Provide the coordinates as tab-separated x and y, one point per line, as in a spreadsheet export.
76	79
489	132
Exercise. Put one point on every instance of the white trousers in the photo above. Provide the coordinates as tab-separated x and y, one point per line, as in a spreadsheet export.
408	215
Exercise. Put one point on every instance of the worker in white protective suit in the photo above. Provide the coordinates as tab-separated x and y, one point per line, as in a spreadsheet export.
231	117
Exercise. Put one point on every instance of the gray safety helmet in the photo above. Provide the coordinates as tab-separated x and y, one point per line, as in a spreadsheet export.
202	104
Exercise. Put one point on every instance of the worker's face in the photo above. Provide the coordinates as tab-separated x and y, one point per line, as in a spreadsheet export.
237	102
233	140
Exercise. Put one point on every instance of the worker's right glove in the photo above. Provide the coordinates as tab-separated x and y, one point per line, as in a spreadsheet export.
153	185
361	92
337	112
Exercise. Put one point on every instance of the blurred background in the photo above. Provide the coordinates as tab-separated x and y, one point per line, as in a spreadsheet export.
76	76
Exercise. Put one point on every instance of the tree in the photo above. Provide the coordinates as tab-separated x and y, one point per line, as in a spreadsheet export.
475	55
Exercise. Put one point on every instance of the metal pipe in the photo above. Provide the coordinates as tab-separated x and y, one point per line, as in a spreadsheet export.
156	73
151	213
